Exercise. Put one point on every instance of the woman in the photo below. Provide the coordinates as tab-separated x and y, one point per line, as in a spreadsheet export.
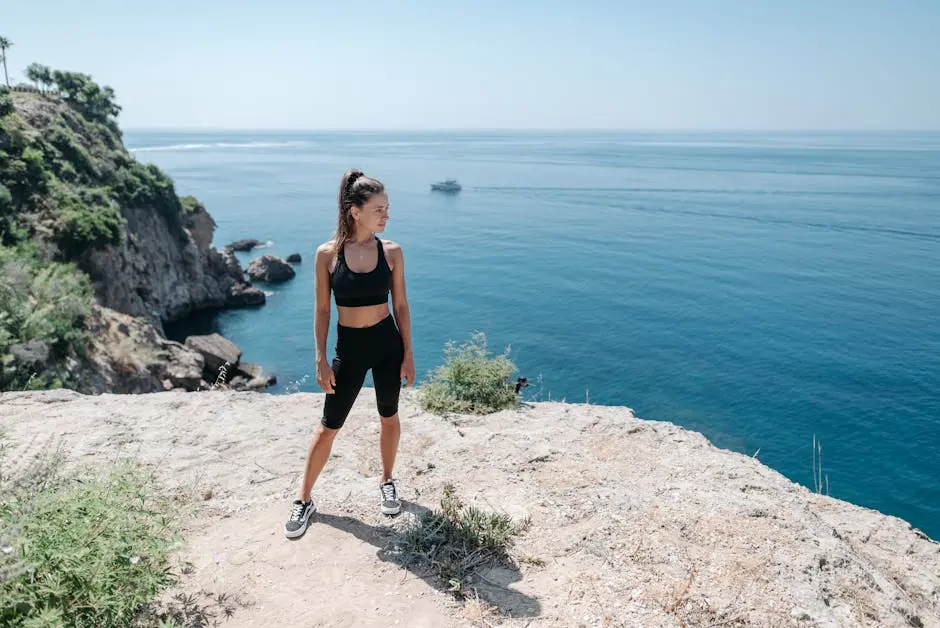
360	270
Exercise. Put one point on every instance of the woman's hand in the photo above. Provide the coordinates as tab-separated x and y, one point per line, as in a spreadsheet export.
408	369
325	376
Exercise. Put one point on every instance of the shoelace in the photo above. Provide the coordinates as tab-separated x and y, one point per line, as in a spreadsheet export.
388	492
297	511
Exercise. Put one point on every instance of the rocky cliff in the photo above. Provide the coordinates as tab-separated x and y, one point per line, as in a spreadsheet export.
632	522
72	197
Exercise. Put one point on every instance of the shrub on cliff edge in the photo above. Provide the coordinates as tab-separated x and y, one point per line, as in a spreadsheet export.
470	380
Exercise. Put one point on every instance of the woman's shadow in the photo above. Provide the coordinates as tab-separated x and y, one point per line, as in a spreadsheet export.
494	588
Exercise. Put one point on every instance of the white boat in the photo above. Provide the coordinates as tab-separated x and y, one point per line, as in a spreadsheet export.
447	185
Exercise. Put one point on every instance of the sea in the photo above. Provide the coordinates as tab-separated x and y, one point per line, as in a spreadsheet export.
769	290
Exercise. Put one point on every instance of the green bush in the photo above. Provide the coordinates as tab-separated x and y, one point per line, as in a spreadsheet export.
72	156
91	548
43	301
458	539
191	205
470	381
139	185
85	223
24	174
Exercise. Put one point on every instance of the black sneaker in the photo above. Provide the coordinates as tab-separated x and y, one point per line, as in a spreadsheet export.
299	519
390	503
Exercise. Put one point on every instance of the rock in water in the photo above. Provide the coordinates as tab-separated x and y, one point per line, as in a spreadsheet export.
294	258
270	268
241	295
244	245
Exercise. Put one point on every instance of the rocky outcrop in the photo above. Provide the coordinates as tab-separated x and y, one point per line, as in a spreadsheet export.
243	245
293	258
128	356
632	522
155	275
242	295
270	269
149	256
201	227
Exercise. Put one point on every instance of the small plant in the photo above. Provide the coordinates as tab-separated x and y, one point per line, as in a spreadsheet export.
470	380
817	468
90	548
458	539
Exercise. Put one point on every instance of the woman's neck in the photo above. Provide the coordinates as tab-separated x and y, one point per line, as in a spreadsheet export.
361	237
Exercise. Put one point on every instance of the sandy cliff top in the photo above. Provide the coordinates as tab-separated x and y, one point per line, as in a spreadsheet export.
633	522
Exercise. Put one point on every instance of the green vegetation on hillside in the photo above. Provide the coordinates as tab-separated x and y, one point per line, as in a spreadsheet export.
470	380
42	307
65	179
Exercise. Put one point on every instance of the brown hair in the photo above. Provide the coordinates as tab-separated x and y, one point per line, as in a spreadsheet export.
355	188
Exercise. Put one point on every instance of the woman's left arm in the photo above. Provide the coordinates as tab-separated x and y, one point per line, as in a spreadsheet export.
402	312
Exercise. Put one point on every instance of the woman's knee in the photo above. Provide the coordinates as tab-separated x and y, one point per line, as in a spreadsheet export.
388	414
386	402
324	433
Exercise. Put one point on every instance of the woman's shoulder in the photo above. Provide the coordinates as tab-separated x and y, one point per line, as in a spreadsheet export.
326	250
391	246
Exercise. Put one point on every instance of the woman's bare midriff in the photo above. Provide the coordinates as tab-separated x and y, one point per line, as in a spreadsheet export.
365	316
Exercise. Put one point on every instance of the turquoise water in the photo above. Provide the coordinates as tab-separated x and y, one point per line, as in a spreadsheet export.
758	288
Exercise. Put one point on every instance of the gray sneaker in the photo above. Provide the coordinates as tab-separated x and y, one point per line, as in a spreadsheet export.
299	519
390	503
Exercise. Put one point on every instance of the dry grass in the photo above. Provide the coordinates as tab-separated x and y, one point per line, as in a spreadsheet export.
459	539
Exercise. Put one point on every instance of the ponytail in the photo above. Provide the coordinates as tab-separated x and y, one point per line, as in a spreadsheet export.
355	188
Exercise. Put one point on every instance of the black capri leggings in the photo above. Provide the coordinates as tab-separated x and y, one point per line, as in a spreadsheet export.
379	348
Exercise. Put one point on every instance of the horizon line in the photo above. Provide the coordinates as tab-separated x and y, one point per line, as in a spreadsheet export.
193	129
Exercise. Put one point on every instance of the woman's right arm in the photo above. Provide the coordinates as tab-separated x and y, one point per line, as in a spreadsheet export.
325	377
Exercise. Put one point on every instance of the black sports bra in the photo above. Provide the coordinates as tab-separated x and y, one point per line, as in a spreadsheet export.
352	289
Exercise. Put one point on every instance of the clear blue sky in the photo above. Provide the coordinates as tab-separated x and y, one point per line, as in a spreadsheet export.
627	64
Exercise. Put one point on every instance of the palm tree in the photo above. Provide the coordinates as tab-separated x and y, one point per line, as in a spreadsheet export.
4	44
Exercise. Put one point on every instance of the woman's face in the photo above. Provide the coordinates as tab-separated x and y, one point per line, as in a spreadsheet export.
373	215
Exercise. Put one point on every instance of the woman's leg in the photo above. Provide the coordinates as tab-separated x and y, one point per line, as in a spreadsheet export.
336	407
388	444
320	447
350	375
386	375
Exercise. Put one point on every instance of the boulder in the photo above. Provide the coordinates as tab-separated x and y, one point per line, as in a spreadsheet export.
252	377
293	258
218	352
244	245
238	383
264	381
184	368
270	268
244	295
